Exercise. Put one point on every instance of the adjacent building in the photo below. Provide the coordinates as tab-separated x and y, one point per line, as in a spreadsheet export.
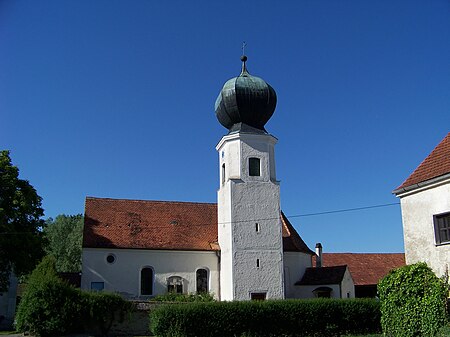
425	204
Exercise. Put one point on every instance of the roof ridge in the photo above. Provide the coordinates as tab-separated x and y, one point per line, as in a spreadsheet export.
424	171
155	201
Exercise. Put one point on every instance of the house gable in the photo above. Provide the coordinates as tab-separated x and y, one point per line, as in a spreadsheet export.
434	167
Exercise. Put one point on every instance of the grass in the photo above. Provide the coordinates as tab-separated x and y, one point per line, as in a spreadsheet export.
3	333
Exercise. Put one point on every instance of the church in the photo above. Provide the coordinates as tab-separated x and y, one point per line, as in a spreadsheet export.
241	248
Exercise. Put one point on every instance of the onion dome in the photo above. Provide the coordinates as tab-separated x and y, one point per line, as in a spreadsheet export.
245	101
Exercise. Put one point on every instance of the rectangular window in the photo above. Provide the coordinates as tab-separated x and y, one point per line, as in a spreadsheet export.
254	167
98	286
223	173
442	228
258	296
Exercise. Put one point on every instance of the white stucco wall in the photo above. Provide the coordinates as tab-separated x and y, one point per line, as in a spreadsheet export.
123	275
307	291
245	202
295	265
8	300
347	286
346	289
418	208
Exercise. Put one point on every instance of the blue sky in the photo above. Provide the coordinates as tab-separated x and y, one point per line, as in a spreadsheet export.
116	99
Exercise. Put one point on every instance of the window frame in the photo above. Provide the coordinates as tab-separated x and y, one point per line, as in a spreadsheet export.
152	283
97	283
437	229
197	283
176	278
253	164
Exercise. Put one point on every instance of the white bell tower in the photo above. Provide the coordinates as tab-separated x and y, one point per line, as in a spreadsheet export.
249	221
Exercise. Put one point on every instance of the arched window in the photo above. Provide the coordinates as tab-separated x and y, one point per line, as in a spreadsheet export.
175	285
202	281
147	281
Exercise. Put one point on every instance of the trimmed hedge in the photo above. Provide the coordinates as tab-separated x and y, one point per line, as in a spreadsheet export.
413	302
51	307
312	318
174	297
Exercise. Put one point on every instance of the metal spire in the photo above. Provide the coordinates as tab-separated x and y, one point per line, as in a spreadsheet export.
244	71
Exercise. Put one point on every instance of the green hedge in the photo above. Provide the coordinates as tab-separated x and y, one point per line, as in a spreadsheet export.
312	318
412	302
174	297
51	307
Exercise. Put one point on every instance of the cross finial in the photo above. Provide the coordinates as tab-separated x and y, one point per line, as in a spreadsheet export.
244	59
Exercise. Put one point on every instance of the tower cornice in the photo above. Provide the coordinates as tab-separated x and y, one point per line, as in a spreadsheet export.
266	137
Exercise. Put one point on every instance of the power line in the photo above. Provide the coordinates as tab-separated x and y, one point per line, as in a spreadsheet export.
343	210
355	209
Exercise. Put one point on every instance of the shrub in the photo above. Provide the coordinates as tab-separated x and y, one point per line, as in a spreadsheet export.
49	306
322	317
412	302
101	309
174	297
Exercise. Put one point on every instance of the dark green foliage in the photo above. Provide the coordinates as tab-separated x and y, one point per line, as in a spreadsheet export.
412	302
51	307
174	297
64	236
312	318
20	223
100	310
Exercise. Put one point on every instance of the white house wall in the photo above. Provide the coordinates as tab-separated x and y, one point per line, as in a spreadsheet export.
347	286
418	208
307	291
295	264
8	300
123	275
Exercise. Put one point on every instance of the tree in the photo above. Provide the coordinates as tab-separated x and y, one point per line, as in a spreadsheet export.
64	236
21	238
412	302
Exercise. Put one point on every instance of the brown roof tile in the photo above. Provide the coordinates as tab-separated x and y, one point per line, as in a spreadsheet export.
292	242
120	223
366	268
436	164
323	275
143	224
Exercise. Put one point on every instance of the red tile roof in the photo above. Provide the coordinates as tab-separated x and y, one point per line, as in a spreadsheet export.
366	268
435	165
143	224
292	242
119	223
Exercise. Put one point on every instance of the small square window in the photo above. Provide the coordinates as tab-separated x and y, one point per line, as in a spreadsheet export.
254	167
442	228
98	286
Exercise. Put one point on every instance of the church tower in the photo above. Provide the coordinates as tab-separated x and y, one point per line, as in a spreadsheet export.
249	222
